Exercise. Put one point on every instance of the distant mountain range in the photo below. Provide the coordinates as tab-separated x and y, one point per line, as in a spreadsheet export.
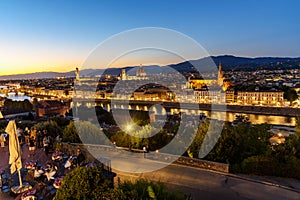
228	63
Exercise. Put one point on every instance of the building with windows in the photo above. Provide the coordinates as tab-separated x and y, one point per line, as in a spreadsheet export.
214	96
264	98
52	108
230	97
197	83
209	96
140	74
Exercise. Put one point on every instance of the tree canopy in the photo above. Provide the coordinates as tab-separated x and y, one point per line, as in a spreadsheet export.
84	131
290	95
90	183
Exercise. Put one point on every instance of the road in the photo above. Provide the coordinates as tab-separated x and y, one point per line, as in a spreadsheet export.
201	184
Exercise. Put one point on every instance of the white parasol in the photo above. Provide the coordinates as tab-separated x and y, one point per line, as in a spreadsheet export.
15	155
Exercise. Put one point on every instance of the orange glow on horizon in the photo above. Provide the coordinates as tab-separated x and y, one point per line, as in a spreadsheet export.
28	69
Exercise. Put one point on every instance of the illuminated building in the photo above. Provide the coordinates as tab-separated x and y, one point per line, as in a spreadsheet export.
269	98
221	81
51	108
140	74
209	96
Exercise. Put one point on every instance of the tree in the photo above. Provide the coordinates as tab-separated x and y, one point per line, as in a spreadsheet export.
84	131
3	125
17	106
103	116
70	134
90	183
298	125
143	189
240	142
121	139
51	126
193	150
27	105
290	95
61	121
35	105
84	183
291	147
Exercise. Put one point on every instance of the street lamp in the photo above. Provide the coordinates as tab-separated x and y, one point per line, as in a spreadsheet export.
128	127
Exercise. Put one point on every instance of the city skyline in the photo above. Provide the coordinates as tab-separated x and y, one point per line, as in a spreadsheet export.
58	36
230	61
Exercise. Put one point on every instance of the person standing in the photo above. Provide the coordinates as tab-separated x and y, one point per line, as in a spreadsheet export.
2	141
45	133
19	132
80	157
32	144
27	135
39	139
33	132
46	145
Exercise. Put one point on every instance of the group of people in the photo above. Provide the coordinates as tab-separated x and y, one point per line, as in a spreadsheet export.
75	160
50	172
35	139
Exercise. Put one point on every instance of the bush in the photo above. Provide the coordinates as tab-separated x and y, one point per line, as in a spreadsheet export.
84	131
121	139
290	168
143	189
51	126
269	166
61	121
89	183
85	184
70	134
260	165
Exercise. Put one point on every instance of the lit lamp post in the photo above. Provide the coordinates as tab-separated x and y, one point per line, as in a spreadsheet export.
128	128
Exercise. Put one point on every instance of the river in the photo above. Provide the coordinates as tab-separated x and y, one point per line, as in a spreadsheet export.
256	118
260	119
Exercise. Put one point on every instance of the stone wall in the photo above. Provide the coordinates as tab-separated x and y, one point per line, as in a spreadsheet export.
162	157
191	162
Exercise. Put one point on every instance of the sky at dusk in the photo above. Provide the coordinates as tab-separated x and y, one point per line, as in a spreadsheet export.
59	35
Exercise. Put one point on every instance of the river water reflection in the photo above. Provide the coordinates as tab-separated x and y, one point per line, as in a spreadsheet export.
260	119
229	116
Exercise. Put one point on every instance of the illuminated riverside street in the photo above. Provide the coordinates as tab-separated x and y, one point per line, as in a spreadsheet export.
202	184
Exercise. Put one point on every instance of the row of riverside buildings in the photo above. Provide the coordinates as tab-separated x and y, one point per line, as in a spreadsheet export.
262	98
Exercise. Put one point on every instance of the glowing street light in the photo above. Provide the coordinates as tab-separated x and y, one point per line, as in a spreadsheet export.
128	127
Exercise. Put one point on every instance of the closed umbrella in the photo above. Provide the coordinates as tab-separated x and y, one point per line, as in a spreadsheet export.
15	154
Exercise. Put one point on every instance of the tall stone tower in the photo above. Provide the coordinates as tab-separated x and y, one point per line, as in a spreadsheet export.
77	74
220	75
124	76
